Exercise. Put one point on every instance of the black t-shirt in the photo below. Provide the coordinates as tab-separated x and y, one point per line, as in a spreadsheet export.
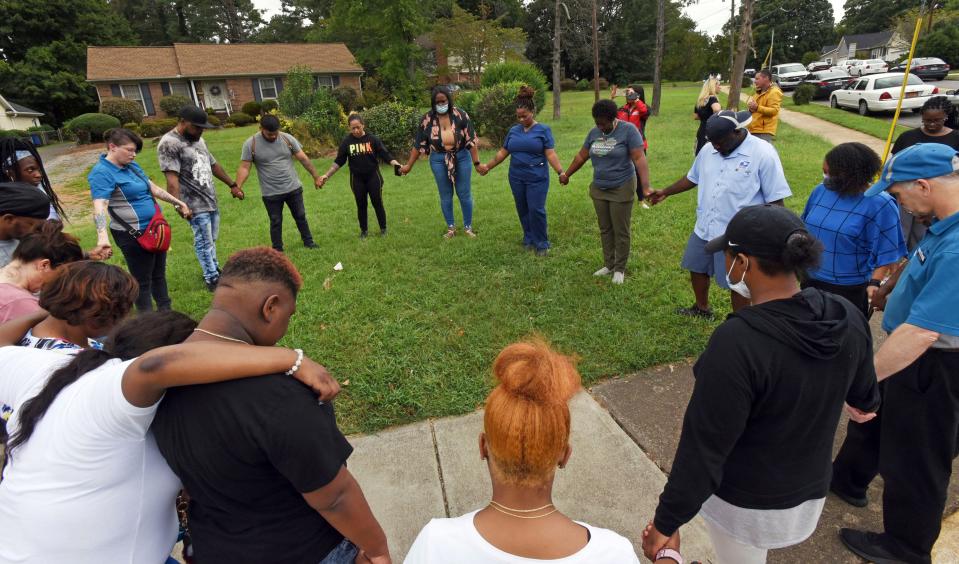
246	450
362	153
916	136
706	110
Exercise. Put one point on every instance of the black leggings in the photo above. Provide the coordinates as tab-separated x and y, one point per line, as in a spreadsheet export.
371	185
149	270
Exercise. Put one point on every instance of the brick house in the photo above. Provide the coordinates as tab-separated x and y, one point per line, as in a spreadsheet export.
218	76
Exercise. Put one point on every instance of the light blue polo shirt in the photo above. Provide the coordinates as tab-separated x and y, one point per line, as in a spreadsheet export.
749	176
925	295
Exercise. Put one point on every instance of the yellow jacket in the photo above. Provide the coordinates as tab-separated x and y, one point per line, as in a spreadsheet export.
766	116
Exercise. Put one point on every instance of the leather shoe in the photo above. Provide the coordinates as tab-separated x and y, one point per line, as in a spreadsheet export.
850	499
868	545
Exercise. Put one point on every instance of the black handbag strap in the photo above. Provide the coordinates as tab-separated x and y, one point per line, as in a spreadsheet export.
135	233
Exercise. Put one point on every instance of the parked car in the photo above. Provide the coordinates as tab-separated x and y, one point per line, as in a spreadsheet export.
826	82
749	72
789	76
818	66
926	68
868	66
880	93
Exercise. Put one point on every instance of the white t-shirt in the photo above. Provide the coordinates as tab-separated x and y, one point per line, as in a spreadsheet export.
456	540
90	486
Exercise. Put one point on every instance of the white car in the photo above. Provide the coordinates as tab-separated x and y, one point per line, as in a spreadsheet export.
789	76
880	93
868	66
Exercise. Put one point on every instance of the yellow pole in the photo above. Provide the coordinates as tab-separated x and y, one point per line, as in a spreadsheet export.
902	89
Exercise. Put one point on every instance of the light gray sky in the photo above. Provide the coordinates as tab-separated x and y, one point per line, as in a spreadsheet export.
709	15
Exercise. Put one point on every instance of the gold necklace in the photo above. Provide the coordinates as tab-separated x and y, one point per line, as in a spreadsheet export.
212	334
523	516
520	510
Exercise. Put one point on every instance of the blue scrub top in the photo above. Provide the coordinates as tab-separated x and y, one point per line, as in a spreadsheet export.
527	149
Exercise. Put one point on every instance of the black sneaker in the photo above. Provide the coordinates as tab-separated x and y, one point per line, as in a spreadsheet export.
695	311
211	284
868	545
383	232
311	245
362	234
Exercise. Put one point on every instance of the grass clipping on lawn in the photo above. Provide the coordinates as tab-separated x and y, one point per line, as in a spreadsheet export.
413	321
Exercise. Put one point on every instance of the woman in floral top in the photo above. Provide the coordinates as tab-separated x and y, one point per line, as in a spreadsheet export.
446	134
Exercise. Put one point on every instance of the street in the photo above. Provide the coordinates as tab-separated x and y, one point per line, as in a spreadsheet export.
906	117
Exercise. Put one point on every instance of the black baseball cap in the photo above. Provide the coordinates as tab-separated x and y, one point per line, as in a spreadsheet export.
760	231
23	200
195	116
723	123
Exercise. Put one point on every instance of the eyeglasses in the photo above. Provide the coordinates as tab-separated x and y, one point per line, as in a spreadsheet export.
931	121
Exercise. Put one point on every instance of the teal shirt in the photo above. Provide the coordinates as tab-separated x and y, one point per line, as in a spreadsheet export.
925	295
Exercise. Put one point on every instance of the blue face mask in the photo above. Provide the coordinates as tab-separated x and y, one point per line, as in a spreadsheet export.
829	182
442	109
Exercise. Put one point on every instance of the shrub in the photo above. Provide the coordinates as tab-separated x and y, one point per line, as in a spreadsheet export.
124	110
240	118
12	133
395	124
603	84
374	93
252	108
466	100
156	127
803	94
267	106
582	85
496	111
567	84
210	111
90	127
213	120
346	96
297	96
228	125
513	71
747	82
172	104
325	118
132	126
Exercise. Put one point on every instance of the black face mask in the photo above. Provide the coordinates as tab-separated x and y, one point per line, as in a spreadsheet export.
830	182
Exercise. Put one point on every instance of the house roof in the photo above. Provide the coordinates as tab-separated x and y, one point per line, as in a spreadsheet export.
12	108
207	60
869	40
828	48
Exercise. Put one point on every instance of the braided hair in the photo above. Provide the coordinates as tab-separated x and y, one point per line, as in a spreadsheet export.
524	99
943	103
10	169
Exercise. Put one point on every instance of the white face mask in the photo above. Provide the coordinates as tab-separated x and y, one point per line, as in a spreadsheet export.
442	109
740	287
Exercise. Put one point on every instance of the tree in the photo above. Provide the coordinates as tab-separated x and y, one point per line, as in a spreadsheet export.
942	43
867	16
739	63
44	47
801	26
510	13
477	41
161	22
660	48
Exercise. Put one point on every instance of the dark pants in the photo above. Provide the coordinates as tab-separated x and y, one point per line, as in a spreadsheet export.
529	194
149	270
274	208
855	294
857	463
918	444
372	186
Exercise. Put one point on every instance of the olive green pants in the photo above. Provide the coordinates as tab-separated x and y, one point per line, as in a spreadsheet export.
614	210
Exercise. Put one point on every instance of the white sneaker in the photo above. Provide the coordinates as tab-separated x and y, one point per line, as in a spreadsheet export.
603	272
618	277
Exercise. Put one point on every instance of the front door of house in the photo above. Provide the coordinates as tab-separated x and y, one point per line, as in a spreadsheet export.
215	94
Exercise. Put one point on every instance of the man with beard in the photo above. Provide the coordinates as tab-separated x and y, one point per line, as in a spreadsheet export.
739	171
189	168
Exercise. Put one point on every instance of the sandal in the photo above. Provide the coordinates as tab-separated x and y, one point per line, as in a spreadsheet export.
450	232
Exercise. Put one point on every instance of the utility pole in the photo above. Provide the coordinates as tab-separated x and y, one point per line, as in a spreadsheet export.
595	53
772	43
739	63
732	35
660	46
557	71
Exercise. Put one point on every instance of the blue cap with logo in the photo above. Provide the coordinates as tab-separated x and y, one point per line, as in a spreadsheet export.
925	160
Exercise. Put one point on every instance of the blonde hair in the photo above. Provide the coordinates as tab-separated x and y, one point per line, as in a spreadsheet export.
527	418
708	89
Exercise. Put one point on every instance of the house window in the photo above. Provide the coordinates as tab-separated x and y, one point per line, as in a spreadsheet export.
132	92
267	89
324	82
180	89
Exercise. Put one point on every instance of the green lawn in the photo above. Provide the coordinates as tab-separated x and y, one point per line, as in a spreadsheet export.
849	118
413	321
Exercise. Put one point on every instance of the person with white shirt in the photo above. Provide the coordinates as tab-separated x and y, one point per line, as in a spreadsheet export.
84	482
525	439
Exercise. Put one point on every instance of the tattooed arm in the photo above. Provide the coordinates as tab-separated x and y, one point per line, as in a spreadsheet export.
103	250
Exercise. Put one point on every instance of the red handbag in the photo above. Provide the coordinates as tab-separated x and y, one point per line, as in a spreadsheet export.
156	237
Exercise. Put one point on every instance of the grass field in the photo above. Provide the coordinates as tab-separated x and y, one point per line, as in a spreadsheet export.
849	118
413	321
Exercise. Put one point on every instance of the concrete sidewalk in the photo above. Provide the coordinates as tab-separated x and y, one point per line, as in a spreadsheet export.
433	469
831	132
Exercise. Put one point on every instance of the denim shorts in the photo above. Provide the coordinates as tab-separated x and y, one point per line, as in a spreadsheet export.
696	259
344	553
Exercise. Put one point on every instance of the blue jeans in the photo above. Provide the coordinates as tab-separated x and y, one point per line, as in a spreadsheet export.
464	171
206	230
530	191
344	553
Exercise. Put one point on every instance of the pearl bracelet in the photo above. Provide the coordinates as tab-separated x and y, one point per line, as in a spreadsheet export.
296	365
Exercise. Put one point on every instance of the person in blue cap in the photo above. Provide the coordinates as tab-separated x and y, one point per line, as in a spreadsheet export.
920	413
737	171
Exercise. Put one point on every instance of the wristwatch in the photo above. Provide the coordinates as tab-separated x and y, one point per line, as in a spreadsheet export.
669	553
476	163
874	282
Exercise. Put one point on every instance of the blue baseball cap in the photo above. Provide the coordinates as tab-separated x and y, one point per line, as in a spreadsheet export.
925	160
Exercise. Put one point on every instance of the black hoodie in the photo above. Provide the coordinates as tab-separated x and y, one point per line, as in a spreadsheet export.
769	391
